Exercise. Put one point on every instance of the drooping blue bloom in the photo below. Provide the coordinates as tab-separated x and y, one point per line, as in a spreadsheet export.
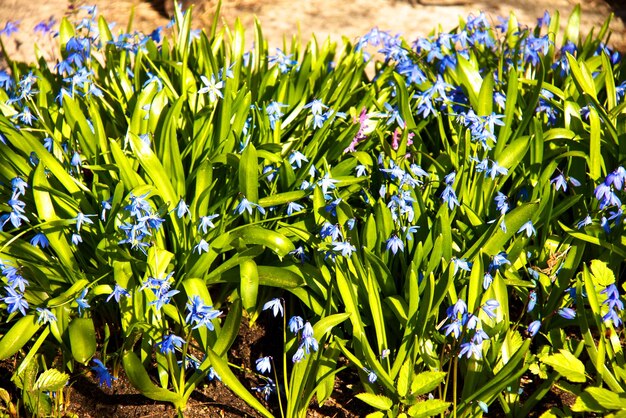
308	340
461	264
76	239
276	305
483	406
471	348
82	302
296	323
163	296
330	230
502	204
454	328
82	219
106	206
449	197
293	207
489	307
118	292
274	112
246	206
45	316
532	300
170	343
182	209
102	373
201	247
533	328
267	389
487	280
371	376
264	364
298	355
40	240
300	254
567	313
528	228
206	223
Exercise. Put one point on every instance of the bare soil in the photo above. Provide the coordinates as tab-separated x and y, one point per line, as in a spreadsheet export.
325	18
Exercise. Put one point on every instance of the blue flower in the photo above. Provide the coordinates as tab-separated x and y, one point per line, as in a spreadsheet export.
489	307
212	87
282	60
40	240
276	305
246	206
118	292
170	343
182	209
528	228
201	314
10	28
15	301
82	219
532	300
533	328
296	159
394	243
102	373
201	247
82	302
267	389
296	323
264	364
344	247
206	223
293	207
45	316
567	313
461	264
371	376
586	221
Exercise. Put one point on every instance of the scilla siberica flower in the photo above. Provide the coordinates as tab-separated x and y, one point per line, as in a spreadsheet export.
170	343
102	373
275	305
200	314
264	364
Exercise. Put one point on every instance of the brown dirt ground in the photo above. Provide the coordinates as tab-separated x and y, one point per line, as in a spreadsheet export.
325	18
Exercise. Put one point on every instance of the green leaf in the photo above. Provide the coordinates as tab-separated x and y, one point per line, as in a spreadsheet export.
403	378
602	275
377	401
229	379
607	399
17	336
426	382
82	334
51	380
428	408
567	365
249	285
139	378
249	174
